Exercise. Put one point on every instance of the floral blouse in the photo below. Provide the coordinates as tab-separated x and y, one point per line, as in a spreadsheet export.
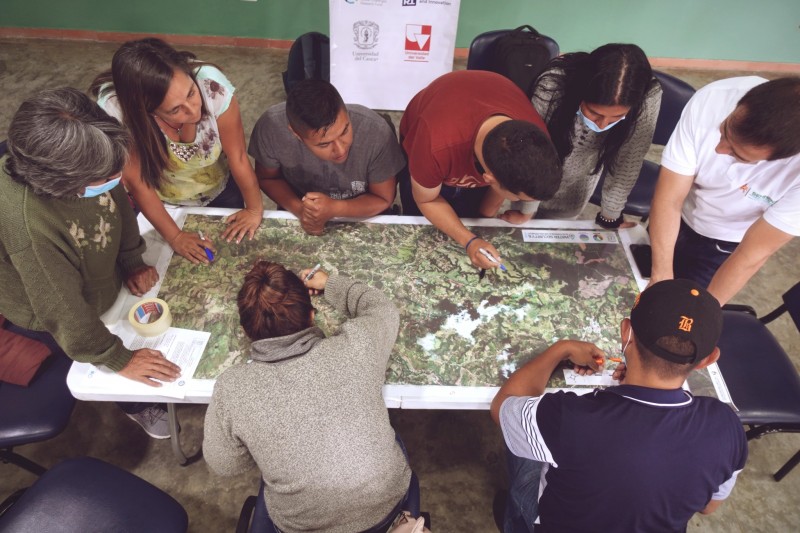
199	170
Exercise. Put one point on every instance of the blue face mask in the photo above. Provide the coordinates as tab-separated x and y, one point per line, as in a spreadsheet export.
592	126
97	190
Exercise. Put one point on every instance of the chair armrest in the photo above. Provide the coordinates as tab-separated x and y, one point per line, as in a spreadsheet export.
243	525
739	307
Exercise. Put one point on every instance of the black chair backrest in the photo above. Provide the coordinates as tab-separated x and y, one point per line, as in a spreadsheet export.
480	51
673	100
791	300
309	59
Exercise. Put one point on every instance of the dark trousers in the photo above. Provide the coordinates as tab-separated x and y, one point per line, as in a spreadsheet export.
45	338
230	196
697	257
466	202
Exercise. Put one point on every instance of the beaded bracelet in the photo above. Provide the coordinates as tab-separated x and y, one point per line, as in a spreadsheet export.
466	246
607	223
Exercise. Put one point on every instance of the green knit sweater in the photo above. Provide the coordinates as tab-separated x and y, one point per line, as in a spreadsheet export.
62	262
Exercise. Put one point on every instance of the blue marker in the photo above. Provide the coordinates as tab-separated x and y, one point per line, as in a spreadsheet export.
491	258
209	253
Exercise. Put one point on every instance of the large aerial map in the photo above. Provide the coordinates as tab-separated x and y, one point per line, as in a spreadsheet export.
455	328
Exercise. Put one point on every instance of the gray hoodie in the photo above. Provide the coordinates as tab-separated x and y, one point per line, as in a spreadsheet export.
308	411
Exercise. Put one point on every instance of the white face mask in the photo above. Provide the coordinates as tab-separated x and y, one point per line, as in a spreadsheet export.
594	127
96	190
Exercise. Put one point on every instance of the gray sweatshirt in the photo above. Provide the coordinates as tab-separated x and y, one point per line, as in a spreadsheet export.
308	411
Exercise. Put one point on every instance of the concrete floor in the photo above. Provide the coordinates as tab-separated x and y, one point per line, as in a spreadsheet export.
456	454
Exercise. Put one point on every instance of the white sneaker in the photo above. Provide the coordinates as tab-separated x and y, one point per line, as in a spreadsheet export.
153	420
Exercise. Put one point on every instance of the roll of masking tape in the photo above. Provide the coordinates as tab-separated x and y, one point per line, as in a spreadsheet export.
150	317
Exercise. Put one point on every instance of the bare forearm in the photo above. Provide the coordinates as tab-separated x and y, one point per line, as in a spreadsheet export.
759	243
365	205
664	226
531	379
665	220
154	211
490	204
245	178
732	276
441	215
283	195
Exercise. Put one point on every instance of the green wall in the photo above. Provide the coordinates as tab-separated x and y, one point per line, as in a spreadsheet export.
698	29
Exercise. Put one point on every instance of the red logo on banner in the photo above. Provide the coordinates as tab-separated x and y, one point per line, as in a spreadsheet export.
418	38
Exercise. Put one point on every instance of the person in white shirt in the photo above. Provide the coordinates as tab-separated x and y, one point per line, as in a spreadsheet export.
728	195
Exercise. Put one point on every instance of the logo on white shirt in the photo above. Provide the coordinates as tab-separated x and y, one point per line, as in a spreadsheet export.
753	195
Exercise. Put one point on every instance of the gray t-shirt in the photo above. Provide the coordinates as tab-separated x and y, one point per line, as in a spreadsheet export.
375	155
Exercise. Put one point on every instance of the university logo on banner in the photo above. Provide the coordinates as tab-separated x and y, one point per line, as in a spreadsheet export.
365	34
418	42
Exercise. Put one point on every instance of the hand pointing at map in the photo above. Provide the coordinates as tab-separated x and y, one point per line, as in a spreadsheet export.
481	259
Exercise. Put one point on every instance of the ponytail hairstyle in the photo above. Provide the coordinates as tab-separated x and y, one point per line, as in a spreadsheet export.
614	74
140	75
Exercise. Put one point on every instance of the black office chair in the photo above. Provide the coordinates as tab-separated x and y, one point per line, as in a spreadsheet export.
253	516
35	413
480	50
673	99
86	494
535	50
309	59
762	380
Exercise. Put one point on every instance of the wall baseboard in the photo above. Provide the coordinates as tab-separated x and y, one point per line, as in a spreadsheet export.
120	37
256	42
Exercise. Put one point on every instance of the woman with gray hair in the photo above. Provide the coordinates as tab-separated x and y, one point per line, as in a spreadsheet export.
69	238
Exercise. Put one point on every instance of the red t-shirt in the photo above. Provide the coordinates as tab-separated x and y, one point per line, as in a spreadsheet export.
441	122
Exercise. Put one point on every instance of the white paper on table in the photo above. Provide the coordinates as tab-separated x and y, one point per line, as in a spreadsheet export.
595	380
184	347
719	385
588	236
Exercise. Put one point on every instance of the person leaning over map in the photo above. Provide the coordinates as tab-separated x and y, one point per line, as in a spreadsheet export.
473	140
728	195
308	410
319	158
69	239
645	455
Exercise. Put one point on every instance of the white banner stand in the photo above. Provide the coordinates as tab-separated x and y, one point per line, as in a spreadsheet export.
383	52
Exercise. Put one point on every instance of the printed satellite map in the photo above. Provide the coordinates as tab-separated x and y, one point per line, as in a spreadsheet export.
456	329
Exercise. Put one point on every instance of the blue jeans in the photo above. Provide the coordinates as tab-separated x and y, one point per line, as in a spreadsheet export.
522	507
697	257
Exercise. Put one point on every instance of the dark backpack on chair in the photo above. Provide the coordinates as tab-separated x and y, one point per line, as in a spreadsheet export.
309	59
521	55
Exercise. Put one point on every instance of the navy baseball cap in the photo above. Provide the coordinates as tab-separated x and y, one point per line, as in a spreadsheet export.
677	308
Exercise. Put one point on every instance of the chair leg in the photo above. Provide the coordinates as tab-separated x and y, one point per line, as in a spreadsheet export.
8	456
785	469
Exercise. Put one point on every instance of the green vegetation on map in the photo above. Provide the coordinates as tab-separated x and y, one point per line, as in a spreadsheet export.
454	328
